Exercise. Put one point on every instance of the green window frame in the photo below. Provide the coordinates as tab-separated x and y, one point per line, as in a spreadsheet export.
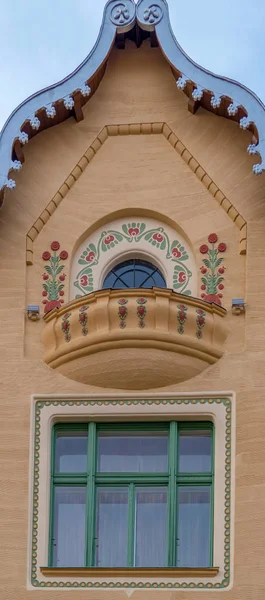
90	480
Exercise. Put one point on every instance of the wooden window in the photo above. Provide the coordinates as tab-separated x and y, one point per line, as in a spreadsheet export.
132	495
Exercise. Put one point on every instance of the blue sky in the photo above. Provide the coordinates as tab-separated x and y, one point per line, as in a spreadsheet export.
42	42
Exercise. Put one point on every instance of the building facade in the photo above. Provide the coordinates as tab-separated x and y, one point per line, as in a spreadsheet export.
132	371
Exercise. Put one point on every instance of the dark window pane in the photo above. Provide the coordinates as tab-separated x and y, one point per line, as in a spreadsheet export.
134	273
150	526
69	526
112	527
195	451
138	453
193	544
71	452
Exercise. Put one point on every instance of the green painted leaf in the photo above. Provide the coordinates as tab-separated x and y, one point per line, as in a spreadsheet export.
125	229
163	244
93	248
45	287
59	269
142	227
207	263
48	269
148	236
187	293
175	244
119	237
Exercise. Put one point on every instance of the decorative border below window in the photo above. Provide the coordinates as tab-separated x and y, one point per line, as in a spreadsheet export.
48	409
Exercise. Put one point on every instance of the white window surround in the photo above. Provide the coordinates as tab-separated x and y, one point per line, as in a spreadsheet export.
164	247
49	409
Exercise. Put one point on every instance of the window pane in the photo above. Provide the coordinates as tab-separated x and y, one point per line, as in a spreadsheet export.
112	527
71	452
193	543
150	526
195	451
69	526
138	453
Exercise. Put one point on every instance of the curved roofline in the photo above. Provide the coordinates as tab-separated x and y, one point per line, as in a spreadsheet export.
57	102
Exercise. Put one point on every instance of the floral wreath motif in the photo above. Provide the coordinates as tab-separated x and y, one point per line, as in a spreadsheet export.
133	233
212	270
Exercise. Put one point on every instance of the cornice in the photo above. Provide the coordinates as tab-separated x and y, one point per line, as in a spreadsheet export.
59	101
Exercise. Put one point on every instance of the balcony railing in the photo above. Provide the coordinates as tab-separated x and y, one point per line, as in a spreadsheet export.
134	338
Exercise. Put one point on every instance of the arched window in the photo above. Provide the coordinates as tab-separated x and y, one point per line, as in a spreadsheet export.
134	273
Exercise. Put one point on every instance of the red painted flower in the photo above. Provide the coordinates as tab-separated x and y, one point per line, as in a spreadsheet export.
212	238
55	246
182	277
200	311
90	256
61	300
82	318
44	301
122	311
222	247
84	280
182	306
221	270
203	295
182	315
203	287
46	255
203	270
132	231
158	237
221	286
65	326
141	300
204	249
176	252
45	293
220	295
45	276
109	239
62	277
63	255
199	333
61	293
200	321
122	301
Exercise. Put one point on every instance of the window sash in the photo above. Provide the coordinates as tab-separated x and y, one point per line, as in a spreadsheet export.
92	479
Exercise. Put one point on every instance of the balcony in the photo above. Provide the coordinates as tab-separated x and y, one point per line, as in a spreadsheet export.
129	340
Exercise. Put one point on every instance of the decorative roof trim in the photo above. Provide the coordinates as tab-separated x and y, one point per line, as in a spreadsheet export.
200	85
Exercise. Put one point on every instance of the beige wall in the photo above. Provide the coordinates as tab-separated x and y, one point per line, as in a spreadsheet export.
134	172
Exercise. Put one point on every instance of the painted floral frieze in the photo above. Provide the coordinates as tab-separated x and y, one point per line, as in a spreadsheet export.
122	312
200	320
182	317
82	317
132	233
212	270
53	278
141	311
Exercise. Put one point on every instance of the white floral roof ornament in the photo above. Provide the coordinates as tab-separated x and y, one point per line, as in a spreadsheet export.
120	16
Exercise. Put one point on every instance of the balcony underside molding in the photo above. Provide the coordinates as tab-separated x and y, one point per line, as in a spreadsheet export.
153	572
127	339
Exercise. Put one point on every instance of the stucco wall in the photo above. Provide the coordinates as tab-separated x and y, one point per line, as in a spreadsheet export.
134	172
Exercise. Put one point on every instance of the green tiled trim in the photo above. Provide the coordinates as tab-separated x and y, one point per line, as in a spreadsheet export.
132	584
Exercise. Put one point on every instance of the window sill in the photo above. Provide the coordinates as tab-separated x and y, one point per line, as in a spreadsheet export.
153	572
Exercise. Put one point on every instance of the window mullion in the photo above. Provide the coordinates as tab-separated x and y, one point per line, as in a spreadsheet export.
172	496
131	526
90	497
